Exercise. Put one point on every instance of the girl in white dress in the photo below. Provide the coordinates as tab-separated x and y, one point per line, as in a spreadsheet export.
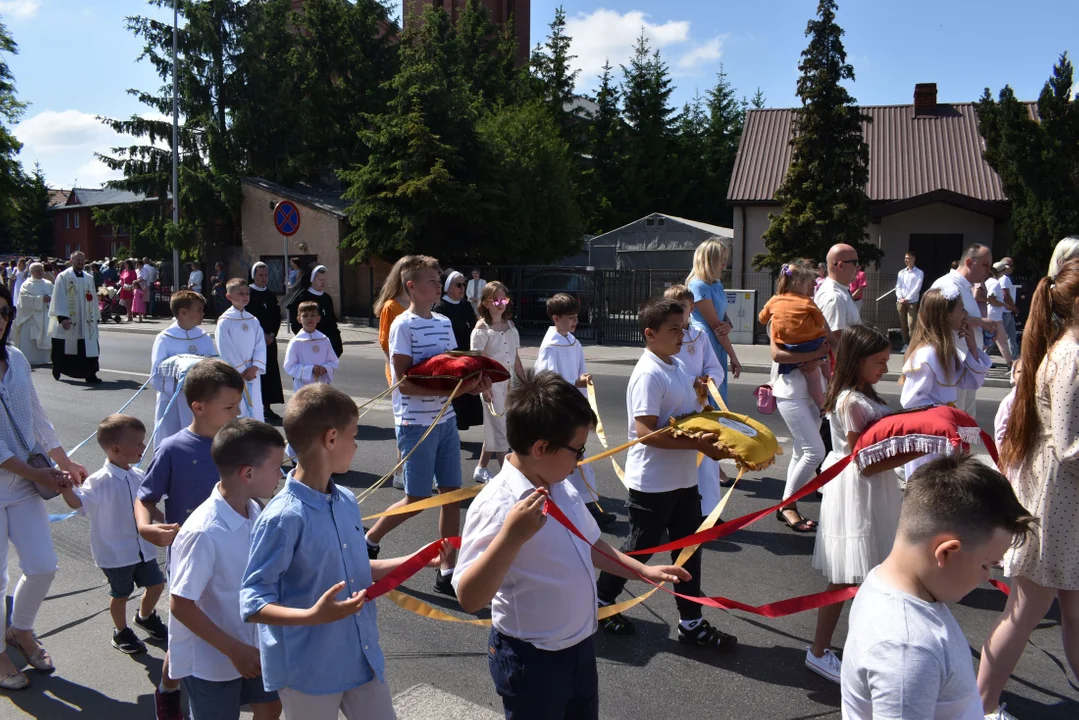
497	338
859	513
934	369
1041	452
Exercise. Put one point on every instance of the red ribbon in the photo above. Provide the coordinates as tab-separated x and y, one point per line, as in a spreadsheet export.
409	568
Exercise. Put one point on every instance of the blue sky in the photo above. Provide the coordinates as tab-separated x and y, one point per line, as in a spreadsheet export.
77	59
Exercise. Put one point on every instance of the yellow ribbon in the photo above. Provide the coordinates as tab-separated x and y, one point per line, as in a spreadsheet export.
434	501
714	392
601	434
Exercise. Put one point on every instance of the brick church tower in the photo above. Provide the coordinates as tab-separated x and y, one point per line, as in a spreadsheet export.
502	12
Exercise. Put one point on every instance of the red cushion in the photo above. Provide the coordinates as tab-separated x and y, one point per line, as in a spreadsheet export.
443	372
941	430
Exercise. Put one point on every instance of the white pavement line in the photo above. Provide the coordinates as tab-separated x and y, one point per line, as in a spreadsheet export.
424	702
124	372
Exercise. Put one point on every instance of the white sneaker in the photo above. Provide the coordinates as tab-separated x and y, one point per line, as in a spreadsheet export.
828	667
481	475
1000	714
399	480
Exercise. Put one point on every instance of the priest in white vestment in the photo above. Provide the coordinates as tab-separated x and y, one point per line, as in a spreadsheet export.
32	316
74	323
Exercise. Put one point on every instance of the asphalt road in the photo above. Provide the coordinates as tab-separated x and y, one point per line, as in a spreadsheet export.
649	675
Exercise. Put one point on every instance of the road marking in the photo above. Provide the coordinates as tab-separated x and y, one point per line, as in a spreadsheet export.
423	702
125	372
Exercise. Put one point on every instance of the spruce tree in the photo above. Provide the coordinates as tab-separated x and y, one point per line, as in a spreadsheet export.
11	174
482	57
823	194
35	233
695	201
552	65
1038	163
726	115
605	147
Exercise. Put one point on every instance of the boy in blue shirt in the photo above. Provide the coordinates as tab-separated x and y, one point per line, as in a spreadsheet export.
183	472
308	573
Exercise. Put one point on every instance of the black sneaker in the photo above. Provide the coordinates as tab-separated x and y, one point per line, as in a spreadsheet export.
270	416
603	519
94	380
127	642
154	627
617	624
707	636
444	584
55	373
167	705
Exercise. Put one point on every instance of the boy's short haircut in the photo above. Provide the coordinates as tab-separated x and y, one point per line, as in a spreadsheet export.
204	381
653	312
410	271
543	406
678	293
184	300
243	442
963	496
112	429
562	304
307	307
313	410
234	284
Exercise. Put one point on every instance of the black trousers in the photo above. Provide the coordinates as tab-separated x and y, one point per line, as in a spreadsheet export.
679	513
76	366
539	684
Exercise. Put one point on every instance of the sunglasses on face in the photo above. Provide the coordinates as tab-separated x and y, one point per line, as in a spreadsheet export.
458	284
500	302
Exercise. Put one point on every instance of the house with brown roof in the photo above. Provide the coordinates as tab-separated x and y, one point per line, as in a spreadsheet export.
930	188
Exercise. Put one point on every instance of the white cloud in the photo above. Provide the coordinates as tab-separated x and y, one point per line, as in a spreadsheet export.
19	9
702	54
610	35
64	142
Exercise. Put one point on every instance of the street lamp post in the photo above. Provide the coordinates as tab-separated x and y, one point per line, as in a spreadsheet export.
175	150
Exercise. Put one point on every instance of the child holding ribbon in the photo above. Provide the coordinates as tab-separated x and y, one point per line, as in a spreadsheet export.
497	338
859	513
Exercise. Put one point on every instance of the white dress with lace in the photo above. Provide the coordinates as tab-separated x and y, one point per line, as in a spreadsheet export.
500	345
859	514
1047	484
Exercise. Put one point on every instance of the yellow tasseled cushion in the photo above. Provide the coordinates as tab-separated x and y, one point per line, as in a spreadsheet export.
741	438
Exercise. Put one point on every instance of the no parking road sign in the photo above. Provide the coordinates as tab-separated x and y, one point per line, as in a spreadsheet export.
286	218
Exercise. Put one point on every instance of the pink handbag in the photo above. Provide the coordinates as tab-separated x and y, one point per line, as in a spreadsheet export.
766	402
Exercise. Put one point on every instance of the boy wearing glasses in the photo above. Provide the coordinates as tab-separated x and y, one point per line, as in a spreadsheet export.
538	576
416	335
661	472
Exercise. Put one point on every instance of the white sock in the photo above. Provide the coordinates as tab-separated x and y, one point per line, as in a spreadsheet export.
370	544
446	572
690	624
164	689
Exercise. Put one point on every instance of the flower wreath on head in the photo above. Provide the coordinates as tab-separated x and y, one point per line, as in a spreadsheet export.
949	291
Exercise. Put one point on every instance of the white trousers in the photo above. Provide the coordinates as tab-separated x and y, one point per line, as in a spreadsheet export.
803	420
708	485
967	401
25	523
370	701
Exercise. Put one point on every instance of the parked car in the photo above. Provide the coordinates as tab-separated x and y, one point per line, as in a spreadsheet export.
532	301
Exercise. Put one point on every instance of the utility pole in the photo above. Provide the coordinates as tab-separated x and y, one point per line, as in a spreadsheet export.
175	148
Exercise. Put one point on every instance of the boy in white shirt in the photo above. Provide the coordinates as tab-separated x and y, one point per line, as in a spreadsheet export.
108	498
416	335
310	357
210	646
906	656
700	361
184	336
538	576
561	353
241	343
661	472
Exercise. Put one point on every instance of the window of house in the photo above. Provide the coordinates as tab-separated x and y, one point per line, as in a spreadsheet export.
67	250
67	221
76	219
113	252
78	247
650	222
661	222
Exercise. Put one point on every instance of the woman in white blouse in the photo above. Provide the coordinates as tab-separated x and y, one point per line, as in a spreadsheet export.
24	519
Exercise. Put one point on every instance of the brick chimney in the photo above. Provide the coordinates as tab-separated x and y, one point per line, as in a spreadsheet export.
925	98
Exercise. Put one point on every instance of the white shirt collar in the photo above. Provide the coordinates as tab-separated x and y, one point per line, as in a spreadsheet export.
831	282
175	331
315	292
554	337
515	480
253	286
115	470
304	335
234	314
232	519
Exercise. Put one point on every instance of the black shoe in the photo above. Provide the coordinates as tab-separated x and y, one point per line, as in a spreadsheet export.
167	705
270	415
617	624
154	627
94	380
127	642
707	636
603	519
444	583
55	373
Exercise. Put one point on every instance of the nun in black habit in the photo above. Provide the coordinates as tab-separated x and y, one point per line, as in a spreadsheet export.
311	287
462	317
264	307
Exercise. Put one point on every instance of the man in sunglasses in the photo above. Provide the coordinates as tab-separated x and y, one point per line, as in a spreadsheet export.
75	316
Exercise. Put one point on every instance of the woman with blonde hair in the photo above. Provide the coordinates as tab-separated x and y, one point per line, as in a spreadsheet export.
1041	453
1065	250
392	301
710	302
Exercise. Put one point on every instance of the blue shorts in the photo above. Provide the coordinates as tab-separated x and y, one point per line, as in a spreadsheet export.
122	580
211	700
438	458
788	368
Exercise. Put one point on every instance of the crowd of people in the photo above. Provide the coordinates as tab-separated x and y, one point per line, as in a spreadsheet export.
268	602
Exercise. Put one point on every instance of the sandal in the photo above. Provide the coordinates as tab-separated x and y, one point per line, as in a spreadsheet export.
15	680
706	635
39	659
802	525
617	625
